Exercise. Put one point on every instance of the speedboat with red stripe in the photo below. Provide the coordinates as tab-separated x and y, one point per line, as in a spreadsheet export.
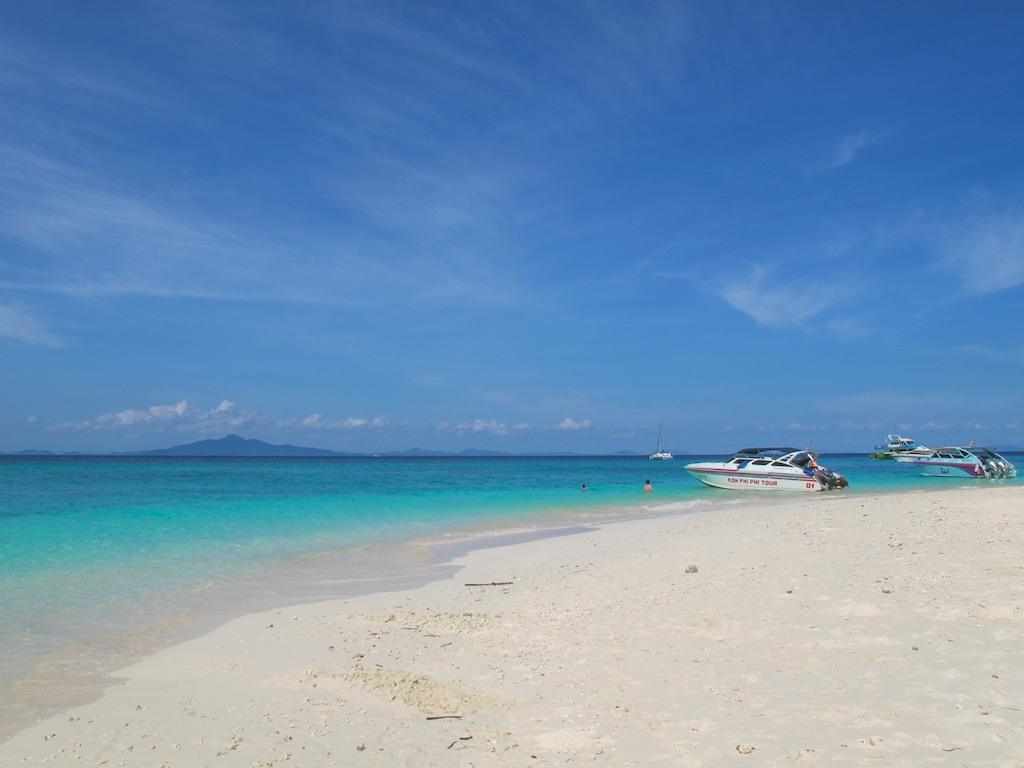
965	462
768	469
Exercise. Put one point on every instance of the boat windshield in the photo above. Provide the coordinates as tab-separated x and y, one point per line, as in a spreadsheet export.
800	459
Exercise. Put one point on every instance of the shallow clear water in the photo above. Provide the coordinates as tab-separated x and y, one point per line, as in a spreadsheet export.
90	547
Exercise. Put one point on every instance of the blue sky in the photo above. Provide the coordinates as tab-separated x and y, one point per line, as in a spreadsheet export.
517	226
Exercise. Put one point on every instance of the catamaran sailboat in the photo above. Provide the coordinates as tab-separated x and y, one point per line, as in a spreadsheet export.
661	454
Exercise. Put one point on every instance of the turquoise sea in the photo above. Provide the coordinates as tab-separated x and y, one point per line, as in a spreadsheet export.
103	557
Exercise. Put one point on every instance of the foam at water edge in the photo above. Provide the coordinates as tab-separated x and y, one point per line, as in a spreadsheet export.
683	506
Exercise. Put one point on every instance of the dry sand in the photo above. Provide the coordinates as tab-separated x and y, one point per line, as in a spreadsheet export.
838	630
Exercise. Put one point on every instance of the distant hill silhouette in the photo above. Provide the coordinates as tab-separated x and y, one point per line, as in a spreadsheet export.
234	445
414	452
43	452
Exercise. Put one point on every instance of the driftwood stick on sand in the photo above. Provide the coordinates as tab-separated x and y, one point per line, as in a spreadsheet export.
444	717
489	584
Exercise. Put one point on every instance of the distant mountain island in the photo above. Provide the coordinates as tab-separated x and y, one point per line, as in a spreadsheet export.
234	445
238	446
34	452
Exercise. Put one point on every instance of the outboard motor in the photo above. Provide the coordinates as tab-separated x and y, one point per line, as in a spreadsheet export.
831	480
993	468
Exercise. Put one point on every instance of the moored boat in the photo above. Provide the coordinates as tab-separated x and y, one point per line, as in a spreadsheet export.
972	461
899	448
768	469
660	454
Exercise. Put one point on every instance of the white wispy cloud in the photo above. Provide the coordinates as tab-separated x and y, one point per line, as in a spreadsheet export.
128	417
796	426
227	415
313	421
986	252
490	426
849	146
317	421
59	79
493	426
876	428
774	298
106	238
179	417
18	324
581	56
920	411
569	424
406	137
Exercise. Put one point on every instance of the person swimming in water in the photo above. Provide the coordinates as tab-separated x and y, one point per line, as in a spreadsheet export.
648	488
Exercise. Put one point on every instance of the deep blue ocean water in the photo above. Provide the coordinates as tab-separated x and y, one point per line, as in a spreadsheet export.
92	546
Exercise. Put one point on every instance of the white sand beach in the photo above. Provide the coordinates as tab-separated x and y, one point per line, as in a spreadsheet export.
834	630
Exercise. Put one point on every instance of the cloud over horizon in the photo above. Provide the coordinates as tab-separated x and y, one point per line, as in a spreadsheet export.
571	425
179	416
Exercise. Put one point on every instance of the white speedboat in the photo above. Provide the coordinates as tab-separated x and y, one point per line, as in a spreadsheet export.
768	469
661	454
899	448
964	462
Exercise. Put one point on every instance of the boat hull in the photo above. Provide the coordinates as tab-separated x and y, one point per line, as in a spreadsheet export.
956	470
751	481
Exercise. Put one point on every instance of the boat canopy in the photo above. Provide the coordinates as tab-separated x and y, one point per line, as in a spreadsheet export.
765	452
